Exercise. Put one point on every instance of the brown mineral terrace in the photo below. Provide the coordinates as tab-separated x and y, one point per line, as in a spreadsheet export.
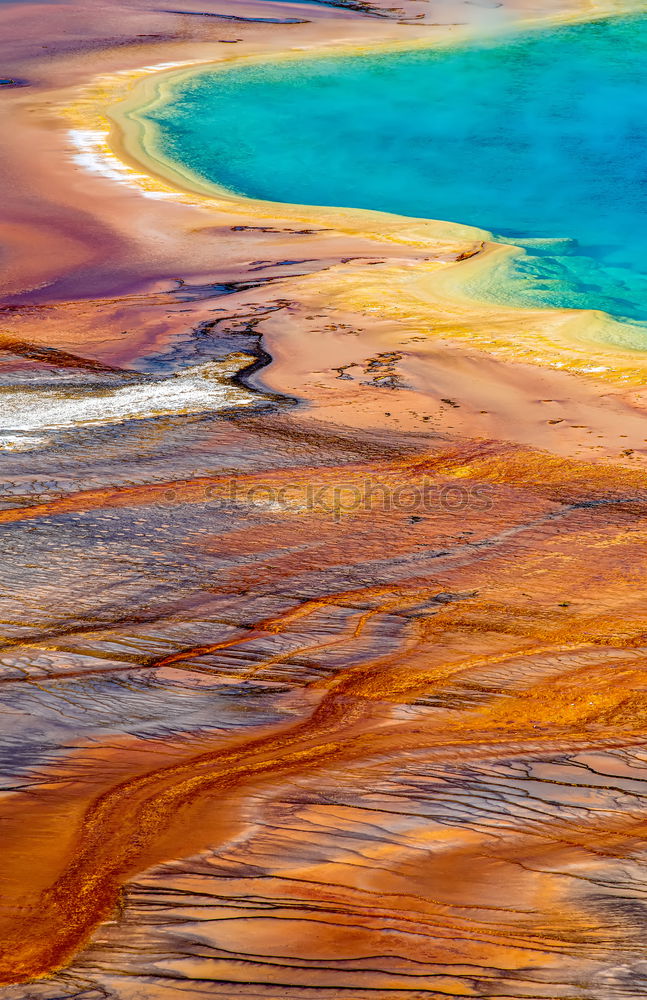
323	668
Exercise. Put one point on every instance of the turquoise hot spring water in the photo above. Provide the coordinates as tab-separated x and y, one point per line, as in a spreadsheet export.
538	137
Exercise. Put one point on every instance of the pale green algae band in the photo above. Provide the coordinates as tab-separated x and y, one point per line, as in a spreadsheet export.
533	136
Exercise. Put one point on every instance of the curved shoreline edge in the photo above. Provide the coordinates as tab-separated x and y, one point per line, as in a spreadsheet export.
108	116
253	694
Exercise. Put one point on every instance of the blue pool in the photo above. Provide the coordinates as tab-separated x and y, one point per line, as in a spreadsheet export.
538	137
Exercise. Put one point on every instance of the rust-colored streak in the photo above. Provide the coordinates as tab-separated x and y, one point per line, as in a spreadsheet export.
135	822
327	678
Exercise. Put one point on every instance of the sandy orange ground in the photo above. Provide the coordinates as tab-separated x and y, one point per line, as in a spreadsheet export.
336	693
